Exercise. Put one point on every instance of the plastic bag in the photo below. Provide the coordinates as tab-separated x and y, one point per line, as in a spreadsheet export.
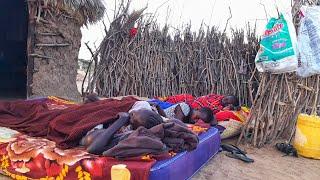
309	42
278	47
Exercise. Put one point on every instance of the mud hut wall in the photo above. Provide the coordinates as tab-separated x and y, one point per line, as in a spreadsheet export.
54	43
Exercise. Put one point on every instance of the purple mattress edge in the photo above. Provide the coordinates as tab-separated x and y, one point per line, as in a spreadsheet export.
184	165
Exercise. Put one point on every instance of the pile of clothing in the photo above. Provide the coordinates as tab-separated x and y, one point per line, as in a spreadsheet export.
165	137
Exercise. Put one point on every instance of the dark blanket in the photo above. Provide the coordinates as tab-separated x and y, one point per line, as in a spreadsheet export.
140	142
159	139
176	137
64	126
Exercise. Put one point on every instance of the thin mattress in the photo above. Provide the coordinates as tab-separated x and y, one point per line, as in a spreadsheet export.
186	164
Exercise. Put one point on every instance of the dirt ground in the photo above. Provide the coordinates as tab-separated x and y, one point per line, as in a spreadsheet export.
269	164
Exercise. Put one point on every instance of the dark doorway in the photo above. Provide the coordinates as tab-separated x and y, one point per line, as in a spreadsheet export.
13	46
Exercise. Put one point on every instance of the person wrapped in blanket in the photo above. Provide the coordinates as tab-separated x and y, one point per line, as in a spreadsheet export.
226	109
140	131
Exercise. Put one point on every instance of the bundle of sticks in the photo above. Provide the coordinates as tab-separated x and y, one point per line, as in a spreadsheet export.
278	102
280	99
164	61
161	61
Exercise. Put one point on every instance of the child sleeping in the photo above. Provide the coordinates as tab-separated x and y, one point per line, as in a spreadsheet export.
99	140
184	112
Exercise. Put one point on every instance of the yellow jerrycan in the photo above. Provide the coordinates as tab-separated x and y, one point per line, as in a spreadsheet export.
307	137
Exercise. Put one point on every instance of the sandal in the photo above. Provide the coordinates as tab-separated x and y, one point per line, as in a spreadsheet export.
231	148
235	152
240	156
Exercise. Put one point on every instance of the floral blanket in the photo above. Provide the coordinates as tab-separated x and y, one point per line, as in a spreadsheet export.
23	157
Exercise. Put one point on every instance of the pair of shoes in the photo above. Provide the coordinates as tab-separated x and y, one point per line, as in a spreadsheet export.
288	149
237	153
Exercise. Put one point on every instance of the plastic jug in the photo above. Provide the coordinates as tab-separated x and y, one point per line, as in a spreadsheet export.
307	137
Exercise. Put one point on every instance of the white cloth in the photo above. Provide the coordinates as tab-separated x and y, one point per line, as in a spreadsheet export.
140	105
170	110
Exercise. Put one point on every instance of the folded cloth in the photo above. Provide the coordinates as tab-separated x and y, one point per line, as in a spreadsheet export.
156	140
141	142
177	143
64	126
171	131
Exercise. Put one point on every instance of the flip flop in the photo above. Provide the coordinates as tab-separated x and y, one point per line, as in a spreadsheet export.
240	156
231	148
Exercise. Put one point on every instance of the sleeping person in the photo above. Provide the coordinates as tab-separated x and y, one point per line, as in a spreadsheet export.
230	103
105	136
184	112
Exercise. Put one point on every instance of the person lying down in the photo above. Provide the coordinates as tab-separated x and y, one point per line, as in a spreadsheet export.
142	117
101	137
184	112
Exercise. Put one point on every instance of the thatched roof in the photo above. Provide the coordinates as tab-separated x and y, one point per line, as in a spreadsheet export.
89	11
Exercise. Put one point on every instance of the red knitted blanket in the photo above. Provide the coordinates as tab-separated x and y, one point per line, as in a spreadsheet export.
64	126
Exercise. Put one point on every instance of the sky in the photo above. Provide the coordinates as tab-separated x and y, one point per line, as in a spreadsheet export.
180	12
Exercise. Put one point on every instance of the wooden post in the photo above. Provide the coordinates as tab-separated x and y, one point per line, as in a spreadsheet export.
30	46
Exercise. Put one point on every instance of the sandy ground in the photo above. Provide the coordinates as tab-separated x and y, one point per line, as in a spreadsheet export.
269	164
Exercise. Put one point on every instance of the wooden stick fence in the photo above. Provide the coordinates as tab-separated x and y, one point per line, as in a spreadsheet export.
154	63
279	100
